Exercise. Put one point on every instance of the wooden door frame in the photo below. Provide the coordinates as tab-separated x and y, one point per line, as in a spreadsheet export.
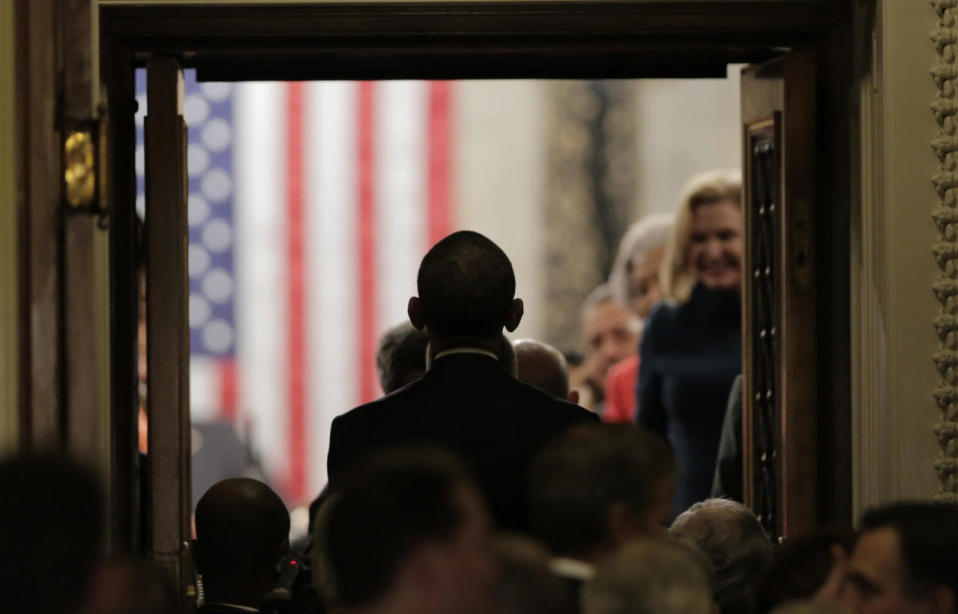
441	40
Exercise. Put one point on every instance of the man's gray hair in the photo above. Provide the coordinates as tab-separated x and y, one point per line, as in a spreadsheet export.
649	577
401	353
646	235
734	540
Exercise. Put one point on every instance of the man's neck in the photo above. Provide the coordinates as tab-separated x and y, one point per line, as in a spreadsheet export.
442	345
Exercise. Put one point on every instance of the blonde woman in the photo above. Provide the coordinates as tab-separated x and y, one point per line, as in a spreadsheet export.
691	347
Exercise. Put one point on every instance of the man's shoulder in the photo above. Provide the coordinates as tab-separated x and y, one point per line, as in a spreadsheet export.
377	409
549	406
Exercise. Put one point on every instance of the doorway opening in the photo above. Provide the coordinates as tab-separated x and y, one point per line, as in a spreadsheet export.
467	41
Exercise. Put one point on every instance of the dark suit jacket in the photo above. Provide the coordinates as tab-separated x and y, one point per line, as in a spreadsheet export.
471	405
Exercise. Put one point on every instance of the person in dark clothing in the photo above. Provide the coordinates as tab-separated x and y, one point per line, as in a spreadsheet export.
800	569
691	348
51	527
727	481
242	533
467	401
407	532
595	489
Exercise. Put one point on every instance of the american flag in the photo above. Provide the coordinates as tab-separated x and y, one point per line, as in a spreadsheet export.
310	207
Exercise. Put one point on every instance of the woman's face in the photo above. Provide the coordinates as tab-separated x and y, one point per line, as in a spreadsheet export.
644	281
715	249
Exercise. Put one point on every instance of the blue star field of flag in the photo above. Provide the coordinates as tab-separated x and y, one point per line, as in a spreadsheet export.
208	114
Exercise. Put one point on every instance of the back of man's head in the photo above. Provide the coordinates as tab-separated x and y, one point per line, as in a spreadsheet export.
928	538
597	485
401	356
51	525
734	541
466	285
242	532
543	366
649	577
395	504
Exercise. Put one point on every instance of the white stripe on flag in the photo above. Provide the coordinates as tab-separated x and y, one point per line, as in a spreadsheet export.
260	261
332	270
401	195
205	401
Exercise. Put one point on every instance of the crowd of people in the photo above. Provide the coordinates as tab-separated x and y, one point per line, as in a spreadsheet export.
481	484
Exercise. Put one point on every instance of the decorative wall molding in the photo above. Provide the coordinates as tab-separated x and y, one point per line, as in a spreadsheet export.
589	192
945	250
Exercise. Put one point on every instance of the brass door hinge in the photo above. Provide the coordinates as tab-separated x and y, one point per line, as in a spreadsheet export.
85	166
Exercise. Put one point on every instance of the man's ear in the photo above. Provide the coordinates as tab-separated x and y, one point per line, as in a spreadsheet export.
417	316
574	396
514	314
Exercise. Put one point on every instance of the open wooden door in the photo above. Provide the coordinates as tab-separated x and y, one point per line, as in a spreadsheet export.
167	322
779	345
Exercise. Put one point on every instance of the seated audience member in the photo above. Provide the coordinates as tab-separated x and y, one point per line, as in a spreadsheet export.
543	366
735	543
242	533
635	282
524	583
467	401
401	356
649	577
594	489
51	527
610	333
905	561
799	569
406	533
131	586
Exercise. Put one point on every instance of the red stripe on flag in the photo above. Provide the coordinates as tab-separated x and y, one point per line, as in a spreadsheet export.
367	256
440	139
296	267
227	371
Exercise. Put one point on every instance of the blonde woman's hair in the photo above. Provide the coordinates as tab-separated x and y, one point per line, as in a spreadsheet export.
676	277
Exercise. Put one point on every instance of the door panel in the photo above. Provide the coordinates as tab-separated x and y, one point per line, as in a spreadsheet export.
167	319
779	409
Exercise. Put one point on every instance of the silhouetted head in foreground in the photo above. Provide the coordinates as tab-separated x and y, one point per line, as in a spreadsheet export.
242	532
51	527
466	291
126	585
599	486
407	532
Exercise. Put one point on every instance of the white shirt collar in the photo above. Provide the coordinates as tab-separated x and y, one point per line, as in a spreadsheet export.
466	350
572	568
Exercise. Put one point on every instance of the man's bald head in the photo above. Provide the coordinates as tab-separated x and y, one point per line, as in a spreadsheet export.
543	366
242	531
